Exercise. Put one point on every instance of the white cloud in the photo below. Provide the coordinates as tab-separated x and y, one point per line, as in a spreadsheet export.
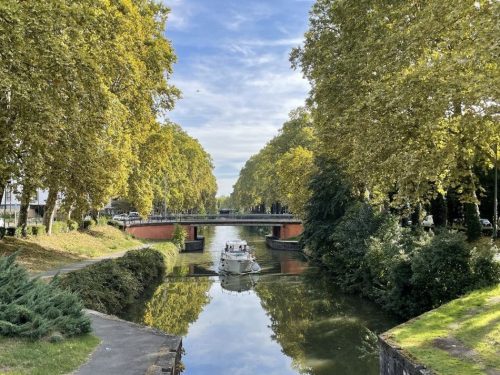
238	87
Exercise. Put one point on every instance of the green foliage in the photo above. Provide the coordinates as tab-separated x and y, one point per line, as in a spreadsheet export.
102	220
473	226
280	171
59	227
111	285
441	270
36	230
331	196
88	224
349	238
71	224
33	309
179	237
484	267
403	93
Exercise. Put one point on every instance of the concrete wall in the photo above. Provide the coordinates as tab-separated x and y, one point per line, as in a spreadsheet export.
277	244
394	362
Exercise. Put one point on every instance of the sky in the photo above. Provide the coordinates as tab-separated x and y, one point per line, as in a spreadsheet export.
234	72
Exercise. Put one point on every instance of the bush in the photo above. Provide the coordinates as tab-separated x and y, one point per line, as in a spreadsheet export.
37	230
179	237
59	227
3	231
484	267
349	246
102	220
33	309
72	225
441	270
111	285
88	224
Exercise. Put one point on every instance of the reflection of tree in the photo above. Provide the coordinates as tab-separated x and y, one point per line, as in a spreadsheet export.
177	303
321	332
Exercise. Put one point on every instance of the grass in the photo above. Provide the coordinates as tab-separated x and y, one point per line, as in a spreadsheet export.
43	253
471	325
21	356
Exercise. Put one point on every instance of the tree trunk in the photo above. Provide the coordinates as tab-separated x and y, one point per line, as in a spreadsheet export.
23	211
2	191
50	209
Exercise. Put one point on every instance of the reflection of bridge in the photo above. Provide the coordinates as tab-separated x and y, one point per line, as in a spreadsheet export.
284	226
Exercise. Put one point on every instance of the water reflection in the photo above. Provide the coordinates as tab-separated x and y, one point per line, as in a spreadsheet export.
285	320
177	303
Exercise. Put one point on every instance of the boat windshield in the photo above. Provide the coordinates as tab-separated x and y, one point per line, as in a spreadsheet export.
236	248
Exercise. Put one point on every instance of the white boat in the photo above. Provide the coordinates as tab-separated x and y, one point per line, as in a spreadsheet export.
237	258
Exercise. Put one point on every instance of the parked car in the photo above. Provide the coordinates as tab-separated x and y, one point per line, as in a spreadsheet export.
486	225
428	222
134	216
120	217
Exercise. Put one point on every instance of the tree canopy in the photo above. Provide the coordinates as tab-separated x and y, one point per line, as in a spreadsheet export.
81	87
405	94
278	173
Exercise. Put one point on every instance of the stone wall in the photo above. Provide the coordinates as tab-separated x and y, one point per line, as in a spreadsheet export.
394	362
278	244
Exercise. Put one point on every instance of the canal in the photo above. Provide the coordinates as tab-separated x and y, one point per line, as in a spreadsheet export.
285	320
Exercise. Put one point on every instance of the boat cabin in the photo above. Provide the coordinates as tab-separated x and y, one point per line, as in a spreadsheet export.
236	246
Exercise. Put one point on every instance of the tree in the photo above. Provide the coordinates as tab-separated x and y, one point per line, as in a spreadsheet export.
260	181
404	94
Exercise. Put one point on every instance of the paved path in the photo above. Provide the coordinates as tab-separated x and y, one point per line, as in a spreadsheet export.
129	349
77	266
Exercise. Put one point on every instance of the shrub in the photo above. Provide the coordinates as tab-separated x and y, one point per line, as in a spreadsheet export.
102	220
33	309
88	224
472	222
59	227
441	270
72	225
484	267
37	230
111	285
349	246
179	237
3	231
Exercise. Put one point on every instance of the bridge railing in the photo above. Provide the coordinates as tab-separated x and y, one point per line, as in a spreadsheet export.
189	218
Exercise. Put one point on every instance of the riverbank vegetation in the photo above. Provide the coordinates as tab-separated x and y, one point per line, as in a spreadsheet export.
80	96
112	285
43	328
458	338
42	253
401	123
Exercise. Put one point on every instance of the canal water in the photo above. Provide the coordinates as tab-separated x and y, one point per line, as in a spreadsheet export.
285	320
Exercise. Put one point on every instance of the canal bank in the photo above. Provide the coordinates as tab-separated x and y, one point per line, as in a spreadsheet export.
285	320
458	338
131	349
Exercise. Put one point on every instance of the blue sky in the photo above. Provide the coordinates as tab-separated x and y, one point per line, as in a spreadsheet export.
234	73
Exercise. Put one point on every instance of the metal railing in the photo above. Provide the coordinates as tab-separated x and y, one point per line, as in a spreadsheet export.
215	218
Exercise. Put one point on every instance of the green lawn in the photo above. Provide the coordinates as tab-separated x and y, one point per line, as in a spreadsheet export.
43	253
461	337
18	356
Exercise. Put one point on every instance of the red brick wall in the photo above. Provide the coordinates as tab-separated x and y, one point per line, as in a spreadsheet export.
158	232
291	230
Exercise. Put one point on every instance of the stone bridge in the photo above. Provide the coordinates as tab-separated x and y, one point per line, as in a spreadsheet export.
284	226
